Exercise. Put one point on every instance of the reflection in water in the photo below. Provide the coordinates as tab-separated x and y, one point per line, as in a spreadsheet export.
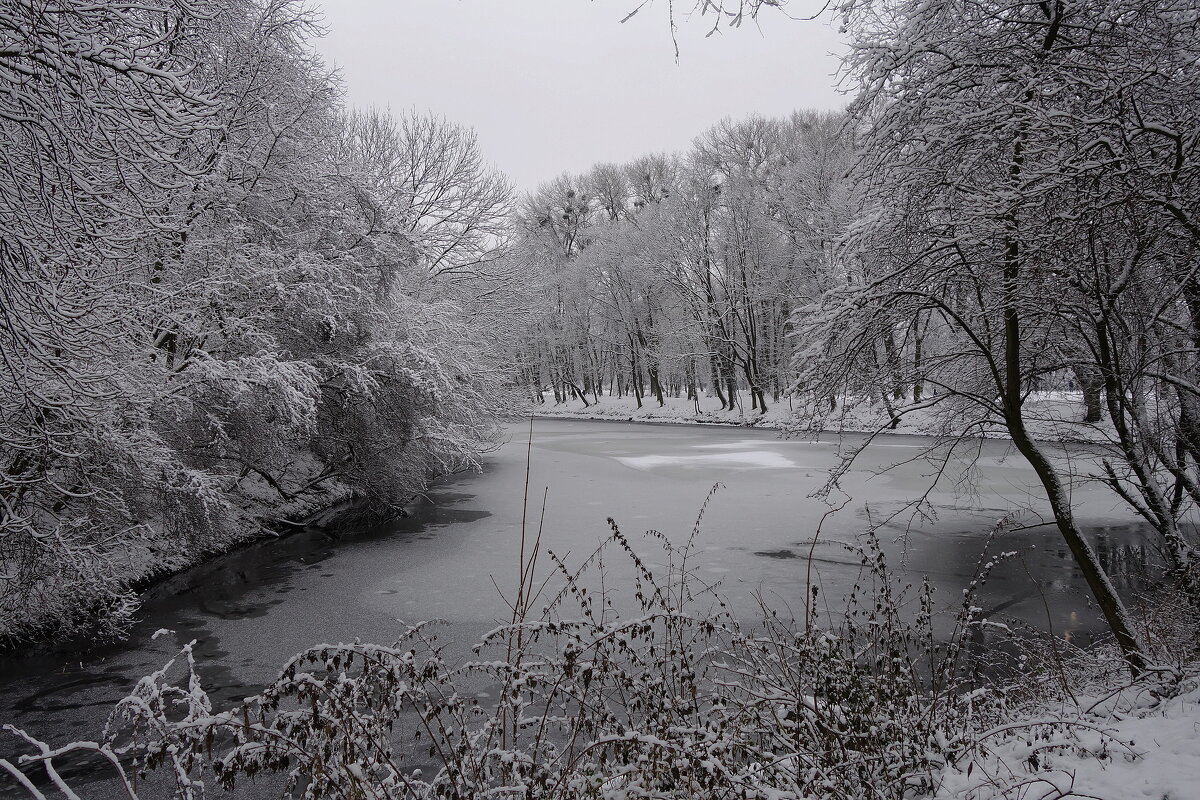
1033	582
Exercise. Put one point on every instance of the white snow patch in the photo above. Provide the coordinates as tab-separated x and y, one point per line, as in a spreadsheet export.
1149	754
746	459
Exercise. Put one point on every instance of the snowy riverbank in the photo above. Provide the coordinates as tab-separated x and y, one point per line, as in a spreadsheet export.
147	563
1052	416
1125	743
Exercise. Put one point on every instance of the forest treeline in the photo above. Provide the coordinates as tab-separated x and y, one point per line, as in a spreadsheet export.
226	298
680	274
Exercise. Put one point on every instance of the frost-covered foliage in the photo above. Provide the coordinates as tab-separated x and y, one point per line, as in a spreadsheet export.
215	311
661	694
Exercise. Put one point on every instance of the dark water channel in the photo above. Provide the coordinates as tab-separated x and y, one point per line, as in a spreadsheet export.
252	609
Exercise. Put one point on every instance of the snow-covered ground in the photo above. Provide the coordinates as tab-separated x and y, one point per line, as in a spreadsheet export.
1052	416
1125	745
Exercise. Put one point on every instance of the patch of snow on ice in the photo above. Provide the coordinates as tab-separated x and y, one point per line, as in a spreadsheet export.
741	444
747	459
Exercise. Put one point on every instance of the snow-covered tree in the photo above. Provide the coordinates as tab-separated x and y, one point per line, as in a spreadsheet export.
1026	193
222	306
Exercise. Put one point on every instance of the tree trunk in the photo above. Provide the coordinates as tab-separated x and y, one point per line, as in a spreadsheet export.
1091	381
892	363
579	393
1012	399
918	354
1098	581
715	377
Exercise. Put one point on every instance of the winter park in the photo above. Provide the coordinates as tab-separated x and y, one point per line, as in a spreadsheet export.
607	399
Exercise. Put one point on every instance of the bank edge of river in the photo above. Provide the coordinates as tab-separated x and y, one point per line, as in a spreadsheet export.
146	572
1051	417
314	509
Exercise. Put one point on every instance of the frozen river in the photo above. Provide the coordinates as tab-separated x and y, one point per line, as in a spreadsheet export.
252	609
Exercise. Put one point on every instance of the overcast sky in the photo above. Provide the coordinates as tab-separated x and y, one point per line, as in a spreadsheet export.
558	85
